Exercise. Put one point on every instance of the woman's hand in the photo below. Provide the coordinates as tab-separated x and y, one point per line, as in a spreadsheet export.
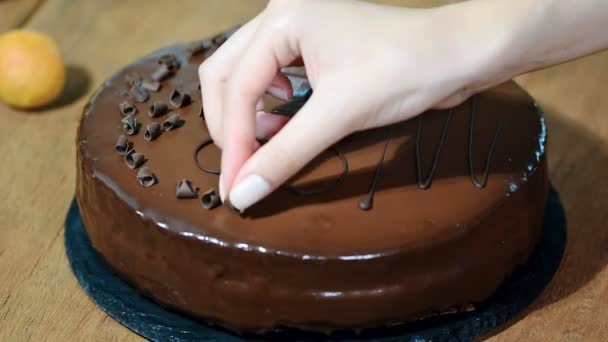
369	65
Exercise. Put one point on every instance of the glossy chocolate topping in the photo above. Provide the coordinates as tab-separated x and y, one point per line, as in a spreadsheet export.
453	199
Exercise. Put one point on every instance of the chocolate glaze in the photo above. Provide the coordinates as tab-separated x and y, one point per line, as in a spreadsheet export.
317	262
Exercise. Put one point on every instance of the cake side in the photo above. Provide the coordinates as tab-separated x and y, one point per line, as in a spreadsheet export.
252	291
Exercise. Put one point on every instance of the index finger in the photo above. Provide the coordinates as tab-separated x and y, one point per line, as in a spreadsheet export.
267	52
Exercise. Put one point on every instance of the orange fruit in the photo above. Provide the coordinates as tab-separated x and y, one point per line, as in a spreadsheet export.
32	72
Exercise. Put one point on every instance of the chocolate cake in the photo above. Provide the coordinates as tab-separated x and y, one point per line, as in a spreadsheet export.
388	226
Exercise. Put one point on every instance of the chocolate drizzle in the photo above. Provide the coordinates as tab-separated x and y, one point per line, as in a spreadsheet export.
289	188
479	183
425	183
368	201
196	161
321	189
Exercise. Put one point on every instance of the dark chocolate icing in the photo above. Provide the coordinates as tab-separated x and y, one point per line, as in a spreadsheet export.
425	183
316	262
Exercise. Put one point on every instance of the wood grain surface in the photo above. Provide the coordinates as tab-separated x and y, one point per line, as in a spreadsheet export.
40	299
14	13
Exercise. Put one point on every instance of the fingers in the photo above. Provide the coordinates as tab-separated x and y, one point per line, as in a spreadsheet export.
267	125
281	87
305	136
215	71
255	72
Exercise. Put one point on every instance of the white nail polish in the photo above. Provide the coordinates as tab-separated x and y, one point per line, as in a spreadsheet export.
249	191
278	93
222	189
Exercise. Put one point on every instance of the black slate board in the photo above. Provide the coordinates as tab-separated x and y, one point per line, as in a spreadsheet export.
152	321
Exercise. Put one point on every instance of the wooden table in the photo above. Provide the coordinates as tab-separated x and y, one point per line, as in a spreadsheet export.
40	299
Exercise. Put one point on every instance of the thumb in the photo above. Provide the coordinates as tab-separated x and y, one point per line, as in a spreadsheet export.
315	128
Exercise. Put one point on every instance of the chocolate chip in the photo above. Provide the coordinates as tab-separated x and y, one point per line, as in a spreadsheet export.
122	145
199	47
210	199
126	108
151	85
170	61
201	113
178	98
138	94
157	109
145	177
185	189
133	79
152	131
129	125
160	73
172	122
134	159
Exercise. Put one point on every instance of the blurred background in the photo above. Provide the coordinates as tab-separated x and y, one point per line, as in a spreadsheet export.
41	300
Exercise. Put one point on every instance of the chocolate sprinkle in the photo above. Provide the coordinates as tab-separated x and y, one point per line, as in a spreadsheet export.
138	94
160	73
145	177
152	131
122	145
170	61
185	189
134	159
151	85
210	199
157	109
178	98
172	122
129	125
126	108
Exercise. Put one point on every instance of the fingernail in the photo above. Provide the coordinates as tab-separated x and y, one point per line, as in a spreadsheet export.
222	189
249	191
279	93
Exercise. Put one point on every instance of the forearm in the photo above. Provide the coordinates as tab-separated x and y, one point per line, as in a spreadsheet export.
517	36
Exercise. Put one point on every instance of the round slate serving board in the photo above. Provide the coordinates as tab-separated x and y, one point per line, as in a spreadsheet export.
152	321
